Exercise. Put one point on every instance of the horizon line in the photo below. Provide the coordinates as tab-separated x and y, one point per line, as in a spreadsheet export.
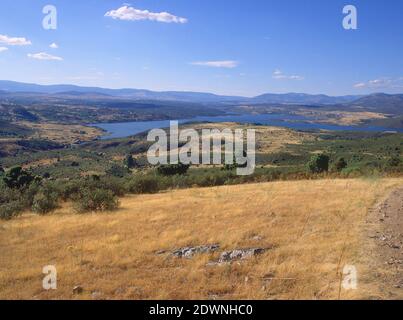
186	91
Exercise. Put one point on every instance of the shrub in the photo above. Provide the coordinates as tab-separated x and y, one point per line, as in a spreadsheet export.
96	200
28	194
44	202
70	189
393	161
129	162
113	184
117	171
173	169
319	163
18	178
144	184
340	164
10	210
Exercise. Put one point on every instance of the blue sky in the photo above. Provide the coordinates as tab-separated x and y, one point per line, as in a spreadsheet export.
235	47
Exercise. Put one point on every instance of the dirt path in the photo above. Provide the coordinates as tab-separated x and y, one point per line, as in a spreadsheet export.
387	217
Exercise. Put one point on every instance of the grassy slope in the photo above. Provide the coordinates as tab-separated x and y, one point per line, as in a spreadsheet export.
316	227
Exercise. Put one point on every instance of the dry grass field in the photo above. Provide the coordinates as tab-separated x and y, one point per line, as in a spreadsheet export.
313	228
62	133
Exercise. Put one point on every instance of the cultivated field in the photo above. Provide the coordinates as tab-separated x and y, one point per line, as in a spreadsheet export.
310	228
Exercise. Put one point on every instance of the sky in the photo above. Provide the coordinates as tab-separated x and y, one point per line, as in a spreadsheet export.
232	47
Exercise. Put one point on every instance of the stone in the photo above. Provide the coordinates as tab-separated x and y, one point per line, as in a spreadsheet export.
189	252
257	238
240	254
78	290
96	294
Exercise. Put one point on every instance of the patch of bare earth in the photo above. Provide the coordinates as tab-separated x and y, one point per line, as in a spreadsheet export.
385	230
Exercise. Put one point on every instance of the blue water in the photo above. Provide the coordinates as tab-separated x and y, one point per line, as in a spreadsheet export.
126	129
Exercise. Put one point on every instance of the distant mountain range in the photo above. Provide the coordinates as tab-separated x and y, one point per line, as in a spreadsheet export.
27	92
390	103
197	97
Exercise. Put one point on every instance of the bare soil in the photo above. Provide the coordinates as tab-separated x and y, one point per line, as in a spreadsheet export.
387	217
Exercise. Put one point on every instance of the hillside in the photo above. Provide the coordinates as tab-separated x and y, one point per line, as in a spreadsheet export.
126	254
381	102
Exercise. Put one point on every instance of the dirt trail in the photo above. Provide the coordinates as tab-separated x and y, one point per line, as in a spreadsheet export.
387	216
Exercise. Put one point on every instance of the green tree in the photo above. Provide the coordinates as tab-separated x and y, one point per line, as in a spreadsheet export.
129	162
319	163
173	169
17	178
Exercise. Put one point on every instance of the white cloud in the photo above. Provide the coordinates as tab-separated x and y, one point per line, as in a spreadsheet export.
44	56
381	83
54	46
2	49
229	64
279	75
132	14
360	85
14	41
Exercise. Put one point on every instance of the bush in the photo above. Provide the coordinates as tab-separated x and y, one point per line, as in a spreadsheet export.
319	163
18	178
129	162
393	161
10	210
117	171
11	202
44	202
113	184
96	200
173	169
340	164
144	184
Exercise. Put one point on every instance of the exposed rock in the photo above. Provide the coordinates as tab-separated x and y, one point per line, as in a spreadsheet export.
78	290
96	294
240	254
257	238
189	252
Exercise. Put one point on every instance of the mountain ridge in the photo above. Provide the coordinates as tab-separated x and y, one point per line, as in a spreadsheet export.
188	96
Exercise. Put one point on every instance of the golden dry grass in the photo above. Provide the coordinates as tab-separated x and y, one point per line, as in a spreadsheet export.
316	227
62	133
270	139
346	118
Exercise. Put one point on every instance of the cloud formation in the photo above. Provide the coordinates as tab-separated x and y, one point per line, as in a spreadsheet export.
132	14
13	41
381	83
229	64
54	46
44	56
2	49
279	75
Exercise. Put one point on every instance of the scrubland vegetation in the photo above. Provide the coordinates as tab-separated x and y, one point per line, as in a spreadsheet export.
95	175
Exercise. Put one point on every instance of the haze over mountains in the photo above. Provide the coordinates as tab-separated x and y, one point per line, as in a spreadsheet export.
29	93
198	97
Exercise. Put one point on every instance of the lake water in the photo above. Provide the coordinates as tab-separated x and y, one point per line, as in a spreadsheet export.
126	129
